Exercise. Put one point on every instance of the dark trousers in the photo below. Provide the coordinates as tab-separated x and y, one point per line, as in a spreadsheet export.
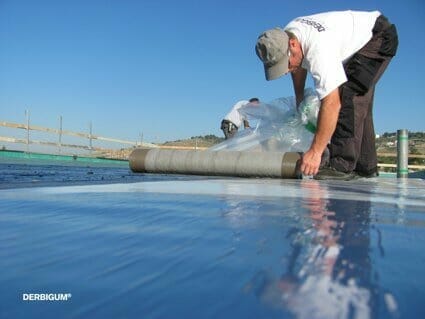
352	147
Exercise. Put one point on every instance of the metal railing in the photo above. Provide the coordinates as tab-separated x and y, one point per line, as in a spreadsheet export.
60	132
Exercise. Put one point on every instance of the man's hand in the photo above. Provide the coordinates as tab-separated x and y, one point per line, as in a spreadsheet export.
310	162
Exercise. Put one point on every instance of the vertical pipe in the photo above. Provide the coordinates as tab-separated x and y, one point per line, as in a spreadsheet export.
90	137
60	134
402	153
27	115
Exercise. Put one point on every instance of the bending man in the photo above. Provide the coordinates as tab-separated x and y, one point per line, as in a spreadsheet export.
346	53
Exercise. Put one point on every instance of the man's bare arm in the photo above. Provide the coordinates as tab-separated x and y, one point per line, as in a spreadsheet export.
326	124
298	79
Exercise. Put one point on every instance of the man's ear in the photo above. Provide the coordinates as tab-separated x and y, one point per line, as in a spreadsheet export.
293	43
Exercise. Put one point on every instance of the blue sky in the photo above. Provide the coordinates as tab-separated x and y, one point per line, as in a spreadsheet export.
172	69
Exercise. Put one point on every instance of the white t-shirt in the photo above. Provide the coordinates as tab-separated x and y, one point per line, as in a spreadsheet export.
234	116
328	40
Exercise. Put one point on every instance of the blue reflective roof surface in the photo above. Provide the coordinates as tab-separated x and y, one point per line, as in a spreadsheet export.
193	247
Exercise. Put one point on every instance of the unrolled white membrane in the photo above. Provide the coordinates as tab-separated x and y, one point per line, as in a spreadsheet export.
387	191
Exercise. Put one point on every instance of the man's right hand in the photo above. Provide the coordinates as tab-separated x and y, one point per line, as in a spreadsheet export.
310	162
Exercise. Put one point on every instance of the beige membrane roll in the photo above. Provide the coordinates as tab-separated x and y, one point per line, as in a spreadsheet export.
223	163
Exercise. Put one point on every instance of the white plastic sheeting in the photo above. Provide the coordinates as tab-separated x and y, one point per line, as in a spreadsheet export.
278	126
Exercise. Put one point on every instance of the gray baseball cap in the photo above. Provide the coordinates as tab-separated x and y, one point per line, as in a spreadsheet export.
272	49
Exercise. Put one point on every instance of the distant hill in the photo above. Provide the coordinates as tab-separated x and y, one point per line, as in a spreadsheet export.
387	143
196	141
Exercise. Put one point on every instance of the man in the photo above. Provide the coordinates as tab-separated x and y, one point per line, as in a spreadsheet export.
233	120
346	53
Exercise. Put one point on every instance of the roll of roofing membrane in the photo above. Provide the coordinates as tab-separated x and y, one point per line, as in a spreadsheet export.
222	163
